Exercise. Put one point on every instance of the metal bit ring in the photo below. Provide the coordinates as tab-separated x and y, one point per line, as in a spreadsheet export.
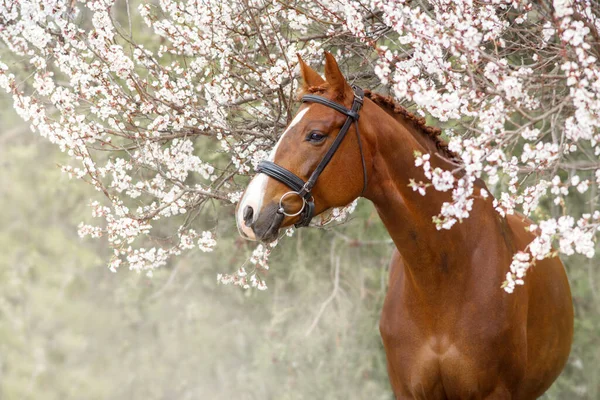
281	210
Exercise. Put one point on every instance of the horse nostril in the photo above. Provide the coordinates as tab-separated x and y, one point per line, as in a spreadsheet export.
248	214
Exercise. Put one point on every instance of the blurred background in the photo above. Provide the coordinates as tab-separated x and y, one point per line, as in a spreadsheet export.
71	329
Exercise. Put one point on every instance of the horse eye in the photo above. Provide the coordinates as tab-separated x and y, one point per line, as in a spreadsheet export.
315	137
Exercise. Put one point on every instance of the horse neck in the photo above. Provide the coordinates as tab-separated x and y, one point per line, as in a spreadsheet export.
434	257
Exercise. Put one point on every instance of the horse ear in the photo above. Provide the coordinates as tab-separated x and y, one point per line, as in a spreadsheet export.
309	75
334	76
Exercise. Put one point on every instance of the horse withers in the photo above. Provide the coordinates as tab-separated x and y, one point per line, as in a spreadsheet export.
449	330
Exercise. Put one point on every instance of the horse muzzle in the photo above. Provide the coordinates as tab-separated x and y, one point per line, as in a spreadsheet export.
260	225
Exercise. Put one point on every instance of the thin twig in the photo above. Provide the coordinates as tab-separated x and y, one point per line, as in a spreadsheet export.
336	281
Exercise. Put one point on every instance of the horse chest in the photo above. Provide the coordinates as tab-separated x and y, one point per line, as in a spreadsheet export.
447	354
431	368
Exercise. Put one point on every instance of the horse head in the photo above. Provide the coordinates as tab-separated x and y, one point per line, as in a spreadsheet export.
295	183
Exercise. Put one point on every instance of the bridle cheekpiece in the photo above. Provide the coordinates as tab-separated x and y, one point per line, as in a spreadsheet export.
303	189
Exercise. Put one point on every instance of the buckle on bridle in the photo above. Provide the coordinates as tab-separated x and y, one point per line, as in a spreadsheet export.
357	98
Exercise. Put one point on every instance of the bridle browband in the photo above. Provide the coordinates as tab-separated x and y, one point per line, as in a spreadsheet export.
303	189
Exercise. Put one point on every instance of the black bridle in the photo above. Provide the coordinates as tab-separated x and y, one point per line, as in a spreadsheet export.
303	189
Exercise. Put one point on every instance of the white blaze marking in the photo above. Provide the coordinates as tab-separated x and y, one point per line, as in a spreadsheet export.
294	122
255	192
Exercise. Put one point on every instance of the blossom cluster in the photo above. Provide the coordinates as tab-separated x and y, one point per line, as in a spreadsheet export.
163	109
259	260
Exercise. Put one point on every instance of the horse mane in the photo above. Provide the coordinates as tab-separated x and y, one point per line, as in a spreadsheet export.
396	110
401	114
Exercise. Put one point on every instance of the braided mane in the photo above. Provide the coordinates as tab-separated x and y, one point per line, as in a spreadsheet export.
394	109
397	111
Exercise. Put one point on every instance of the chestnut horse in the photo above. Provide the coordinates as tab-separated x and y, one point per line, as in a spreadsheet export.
449	330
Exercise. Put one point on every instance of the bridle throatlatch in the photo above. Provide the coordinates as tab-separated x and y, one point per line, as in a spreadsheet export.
303	189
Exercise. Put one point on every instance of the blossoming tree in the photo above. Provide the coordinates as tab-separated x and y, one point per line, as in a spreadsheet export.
165	106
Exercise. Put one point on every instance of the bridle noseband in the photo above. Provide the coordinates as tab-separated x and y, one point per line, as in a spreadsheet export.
303	189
